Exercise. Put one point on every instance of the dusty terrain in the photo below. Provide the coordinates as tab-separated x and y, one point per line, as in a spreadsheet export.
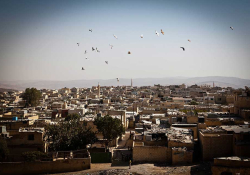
107	169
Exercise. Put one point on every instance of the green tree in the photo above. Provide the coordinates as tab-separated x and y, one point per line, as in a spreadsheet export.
4	151
32	156
184	110
69	135
111	128
72	117
193	103
32	97
196	111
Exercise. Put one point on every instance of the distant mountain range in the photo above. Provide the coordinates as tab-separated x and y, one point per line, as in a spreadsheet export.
40	84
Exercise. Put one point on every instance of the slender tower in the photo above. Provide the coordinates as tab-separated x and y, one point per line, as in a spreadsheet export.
98	90
131	82
65	105
213	84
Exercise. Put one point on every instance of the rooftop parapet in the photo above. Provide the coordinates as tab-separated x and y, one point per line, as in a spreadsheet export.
31	129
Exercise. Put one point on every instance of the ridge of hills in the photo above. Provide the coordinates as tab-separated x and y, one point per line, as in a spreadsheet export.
50	84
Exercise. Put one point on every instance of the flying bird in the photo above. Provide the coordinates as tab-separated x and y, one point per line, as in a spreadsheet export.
115	36
85	52
106	62
189	40
83	68
86	58
117	79
111	46
231	28
78	44
162	32
90	30
141	35
93	48
183	48
129	52
97	50
157	33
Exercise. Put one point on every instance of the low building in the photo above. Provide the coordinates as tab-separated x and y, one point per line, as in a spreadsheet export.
159	145
224	141
242	104
12	126
28	139
231	166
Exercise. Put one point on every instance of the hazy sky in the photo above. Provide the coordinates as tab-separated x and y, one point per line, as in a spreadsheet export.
38	39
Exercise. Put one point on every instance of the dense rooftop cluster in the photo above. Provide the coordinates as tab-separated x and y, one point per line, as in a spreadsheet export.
175	124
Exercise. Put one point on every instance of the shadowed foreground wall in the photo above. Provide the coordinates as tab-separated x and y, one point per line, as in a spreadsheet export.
58	166
230	166
155	154
180	156
215	145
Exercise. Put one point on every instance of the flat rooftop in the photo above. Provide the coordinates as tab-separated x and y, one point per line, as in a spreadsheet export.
237	128
225	128
31	129
173	134
236	158
216	129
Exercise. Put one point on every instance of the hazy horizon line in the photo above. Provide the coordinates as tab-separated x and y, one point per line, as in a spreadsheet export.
185	77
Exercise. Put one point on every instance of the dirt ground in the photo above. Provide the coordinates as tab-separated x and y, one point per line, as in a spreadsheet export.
139	169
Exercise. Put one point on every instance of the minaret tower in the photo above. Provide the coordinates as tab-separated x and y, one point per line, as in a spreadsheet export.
131	82
65	105
98	90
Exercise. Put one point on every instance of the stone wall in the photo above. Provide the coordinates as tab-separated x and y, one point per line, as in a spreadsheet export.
242	102
229	99
131	124
241	145
23	139
162	142
213	122
216	145
15	125
152	154
180	156
192	119
172	143
245	114
202	126
59	166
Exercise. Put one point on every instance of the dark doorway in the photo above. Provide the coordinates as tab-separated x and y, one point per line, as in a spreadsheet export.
179	119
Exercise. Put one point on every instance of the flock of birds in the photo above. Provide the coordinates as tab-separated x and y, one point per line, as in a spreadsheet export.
111	46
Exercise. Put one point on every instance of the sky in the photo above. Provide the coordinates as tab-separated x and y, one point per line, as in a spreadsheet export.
38	39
